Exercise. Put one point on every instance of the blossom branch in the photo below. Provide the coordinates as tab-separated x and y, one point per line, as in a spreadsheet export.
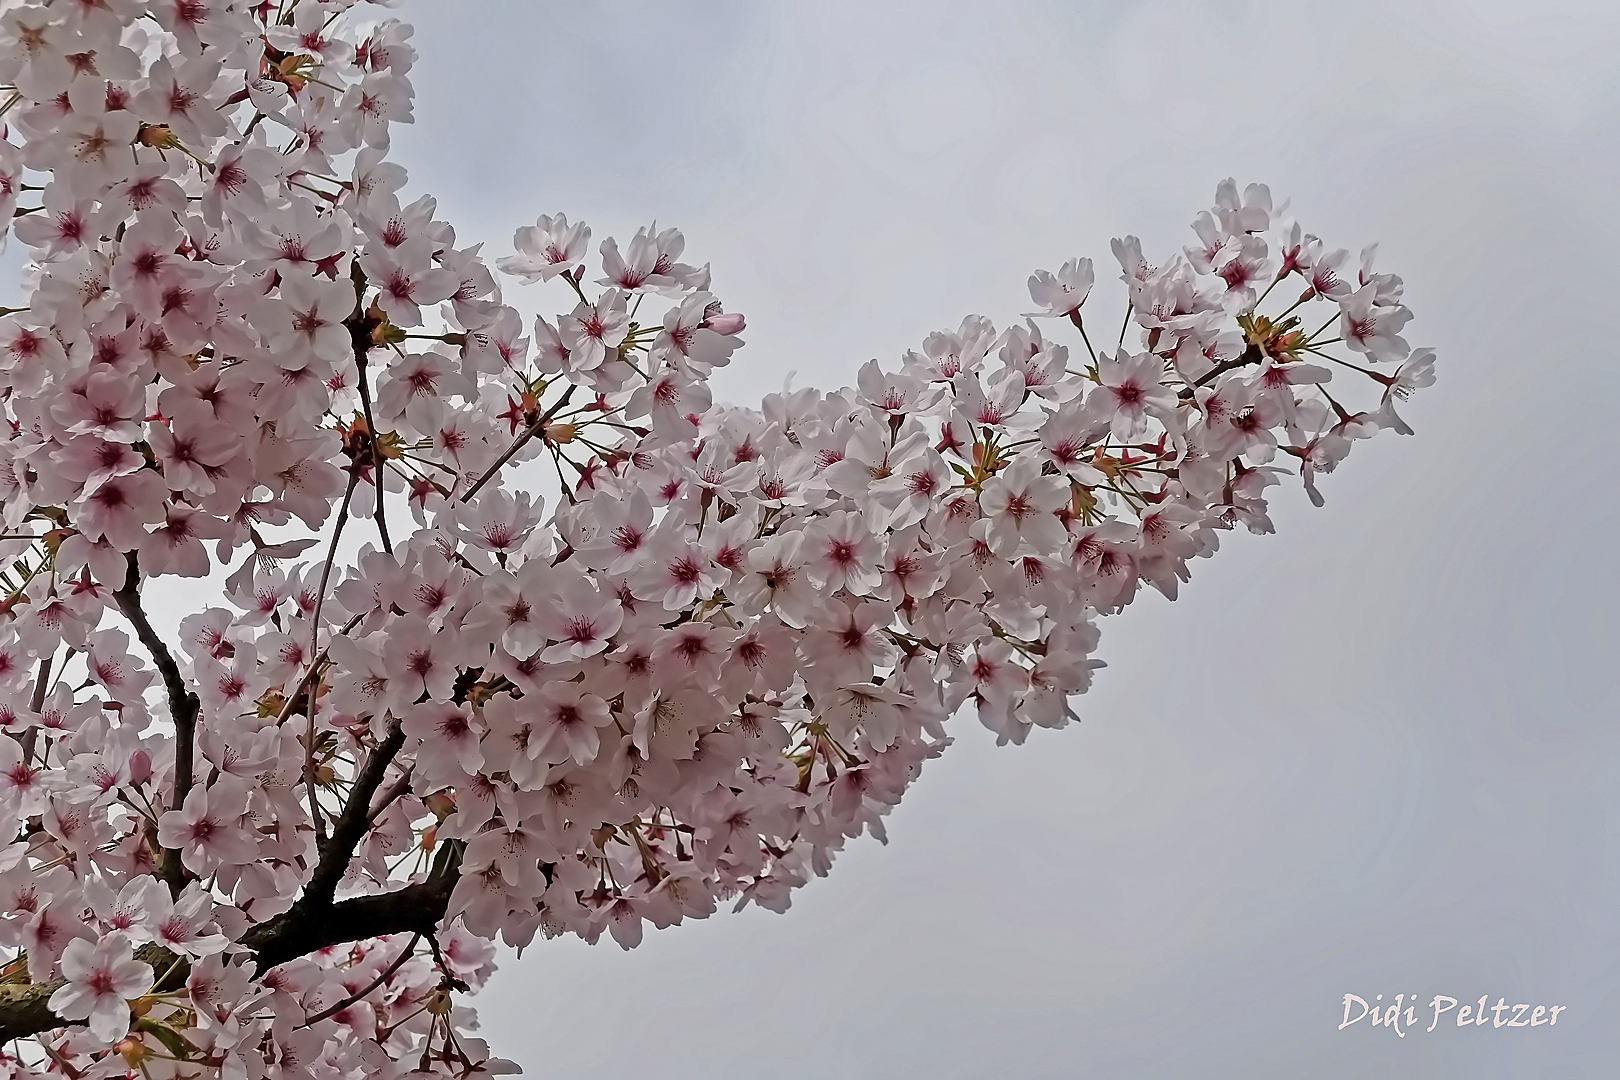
290	706
593	685
415	909
1251	355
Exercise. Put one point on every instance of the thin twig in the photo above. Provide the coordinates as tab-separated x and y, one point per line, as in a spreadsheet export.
1251	355
315	815
387	972
444	967
1080	325
517	444
36	703
314	665
314	639
392	792
331	556
376	451
183	707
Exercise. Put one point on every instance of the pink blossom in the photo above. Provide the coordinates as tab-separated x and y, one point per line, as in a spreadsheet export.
208	830
547	248
592	331
101	977
1021	504
1061	294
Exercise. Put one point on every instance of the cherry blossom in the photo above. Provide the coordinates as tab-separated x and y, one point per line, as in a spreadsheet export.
1021	504
547	248
101	977
1062	293
414	706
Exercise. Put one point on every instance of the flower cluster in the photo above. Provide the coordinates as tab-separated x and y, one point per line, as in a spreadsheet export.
283	843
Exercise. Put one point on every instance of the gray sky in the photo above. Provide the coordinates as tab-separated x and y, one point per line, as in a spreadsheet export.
1372	754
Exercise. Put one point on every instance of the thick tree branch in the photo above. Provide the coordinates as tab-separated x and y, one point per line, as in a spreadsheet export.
302	930
351	823
23	1009
183	707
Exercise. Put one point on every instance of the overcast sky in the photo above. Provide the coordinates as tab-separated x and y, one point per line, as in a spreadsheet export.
1372	754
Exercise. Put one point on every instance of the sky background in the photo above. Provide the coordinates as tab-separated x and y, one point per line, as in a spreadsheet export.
1372	754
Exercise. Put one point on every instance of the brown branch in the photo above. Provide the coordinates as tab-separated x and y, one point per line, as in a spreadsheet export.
300	930
291	704
36	703
183	707
1251	355
317	920
314	639
23	1009
390	793
351	823
313	923
331	557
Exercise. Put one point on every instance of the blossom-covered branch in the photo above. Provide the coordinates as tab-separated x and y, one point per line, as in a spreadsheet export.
617	654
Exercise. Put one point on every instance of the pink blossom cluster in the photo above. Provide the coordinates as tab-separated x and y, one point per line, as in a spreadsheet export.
283	845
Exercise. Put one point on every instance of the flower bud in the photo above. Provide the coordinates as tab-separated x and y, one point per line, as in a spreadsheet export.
157	136
441	804
140	767
725	324
133	1050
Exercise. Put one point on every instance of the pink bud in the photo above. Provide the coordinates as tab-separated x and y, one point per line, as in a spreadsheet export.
441	804
725	325
140	767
